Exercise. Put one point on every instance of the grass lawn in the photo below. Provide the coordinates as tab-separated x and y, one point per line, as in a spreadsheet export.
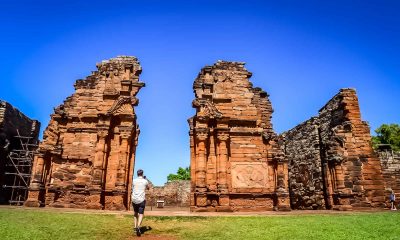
39	224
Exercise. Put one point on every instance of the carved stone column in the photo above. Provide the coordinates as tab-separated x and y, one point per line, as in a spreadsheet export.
36	182
222	161
97	174
99	159
201	161
282	190
123	158
212	165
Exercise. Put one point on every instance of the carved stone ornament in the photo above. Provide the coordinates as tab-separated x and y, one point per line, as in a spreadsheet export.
123	105
206	108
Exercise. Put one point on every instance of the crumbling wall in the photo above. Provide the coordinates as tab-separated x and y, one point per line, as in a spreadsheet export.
302	149
87	155
390	162
174	193
350	169
12	123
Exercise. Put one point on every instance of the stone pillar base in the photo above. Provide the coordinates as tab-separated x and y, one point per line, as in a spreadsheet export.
33	199
283	202
342	207
94	201
201	200
32	203
223	209
223	200
114	203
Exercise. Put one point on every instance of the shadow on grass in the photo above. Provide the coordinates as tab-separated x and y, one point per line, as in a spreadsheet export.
145	229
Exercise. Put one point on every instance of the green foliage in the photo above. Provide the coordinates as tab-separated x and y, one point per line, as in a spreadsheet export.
387	134
181	174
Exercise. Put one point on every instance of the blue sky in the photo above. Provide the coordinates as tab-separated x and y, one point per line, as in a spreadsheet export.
300	52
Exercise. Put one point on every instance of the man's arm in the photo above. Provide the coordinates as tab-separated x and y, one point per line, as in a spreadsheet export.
148	183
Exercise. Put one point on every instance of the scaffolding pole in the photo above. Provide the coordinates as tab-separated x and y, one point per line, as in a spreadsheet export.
19	169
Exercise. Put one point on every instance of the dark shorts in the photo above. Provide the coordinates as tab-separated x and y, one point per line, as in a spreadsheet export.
139	208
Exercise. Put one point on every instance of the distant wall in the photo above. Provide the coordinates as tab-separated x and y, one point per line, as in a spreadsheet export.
390	162
174	193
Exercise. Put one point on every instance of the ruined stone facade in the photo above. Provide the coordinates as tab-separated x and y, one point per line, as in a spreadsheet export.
331	160
237	161
13	123
174	193
87	156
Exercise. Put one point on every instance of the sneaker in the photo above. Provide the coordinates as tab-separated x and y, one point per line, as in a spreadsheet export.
138	232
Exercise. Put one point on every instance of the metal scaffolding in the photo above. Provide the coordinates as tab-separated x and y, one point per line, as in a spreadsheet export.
19	169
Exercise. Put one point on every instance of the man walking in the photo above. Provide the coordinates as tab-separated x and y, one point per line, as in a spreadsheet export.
139	186
393	200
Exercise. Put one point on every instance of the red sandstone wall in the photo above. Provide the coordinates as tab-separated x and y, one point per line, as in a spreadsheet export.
236	159
87	155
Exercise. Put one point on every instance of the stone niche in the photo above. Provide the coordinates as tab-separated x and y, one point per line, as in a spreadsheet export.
237	160
331	161
87	155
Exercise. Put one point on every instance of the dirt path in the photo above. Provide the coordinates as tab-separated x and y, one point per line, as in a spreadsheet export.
153	237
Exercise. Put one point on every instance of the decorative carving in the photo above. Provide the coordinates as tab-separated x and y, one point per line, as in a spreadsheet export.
201	134
123	105
206	108
223	136
245	175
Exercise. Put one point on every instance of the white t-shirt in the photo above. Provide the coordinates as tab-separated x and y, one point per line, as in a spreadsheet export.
138	189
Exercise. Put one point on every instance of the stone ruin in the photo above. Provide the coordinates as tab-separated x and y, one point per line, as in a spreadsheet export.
331	160
390	163
87	155
239	163
16	132
174	193
237	160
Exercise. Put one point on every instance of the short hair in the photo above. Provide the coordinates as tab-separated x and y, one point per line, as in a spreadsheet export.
140	172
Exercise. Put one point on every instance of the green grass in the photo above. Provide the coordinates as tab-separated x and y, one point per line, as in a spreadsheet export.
39	224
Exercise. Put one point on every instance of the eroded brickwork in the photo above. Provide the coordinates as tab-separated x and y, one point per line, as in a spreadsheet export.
306	180
334	147
87	156
237	160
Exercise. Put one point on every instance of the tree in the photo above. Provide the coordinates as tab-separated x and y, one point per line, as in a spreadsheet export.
181	174
387	134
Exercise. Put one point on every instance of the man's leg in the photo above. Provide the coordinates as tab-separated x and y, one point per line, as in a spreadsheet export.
135	217
140	219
